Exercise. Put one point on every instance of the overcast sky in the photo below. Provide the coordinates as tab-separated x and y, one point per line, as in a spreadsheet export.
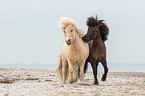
29	30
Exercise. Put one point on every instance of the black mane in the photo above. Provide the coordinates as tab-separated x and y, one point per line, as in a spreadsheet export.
92	22
104	30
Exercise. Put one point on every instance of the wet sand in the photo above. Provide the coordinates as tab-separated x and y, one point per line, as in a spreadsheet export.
36	82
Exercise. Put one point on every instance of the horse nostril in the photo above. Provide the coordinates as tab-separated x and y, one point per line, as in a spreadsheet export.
68	42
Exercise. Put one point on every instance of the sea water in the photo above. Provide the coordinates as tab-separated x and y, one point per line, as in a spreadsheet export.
112	67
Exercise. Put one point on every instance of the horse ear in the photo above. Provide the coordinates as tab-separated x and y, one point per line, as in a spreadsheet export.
73	24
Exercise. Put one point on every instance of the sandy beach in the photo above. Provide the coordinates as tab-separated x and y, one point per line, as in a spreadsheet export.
36	82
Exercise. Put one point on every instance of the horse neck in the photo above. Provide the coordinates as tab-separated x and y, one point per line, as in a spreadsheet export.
77	42
98	42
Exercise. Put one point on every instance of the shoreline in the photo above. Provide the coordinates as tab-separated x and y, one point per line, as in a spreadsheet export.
112	67
39	82
90	70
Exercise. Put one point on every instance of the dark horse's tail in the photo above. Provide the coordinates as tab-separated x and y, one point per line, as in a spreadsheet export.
85	68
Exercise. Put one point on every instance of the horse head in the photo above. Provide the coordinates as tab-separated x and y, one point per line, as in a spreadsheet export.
69	33
93	29
96	27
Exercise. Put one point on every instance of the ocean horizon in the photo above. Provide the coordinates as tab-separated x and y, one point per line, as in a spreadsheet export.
112	67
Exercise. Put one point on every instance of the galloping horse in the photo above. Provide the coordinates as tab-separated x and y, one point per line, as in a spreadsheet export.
96	36
74	51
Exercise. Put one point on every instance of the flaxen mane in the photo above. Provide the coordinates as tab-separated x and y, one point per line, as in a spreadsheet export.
64	22
104	30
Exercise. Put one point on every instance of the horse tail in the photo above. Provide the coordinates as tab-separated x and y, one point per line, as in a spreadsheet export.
85	69
59	69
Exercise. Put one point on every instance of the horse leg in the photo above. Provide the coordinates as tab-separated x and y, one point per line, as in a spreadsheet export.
95	67
75	74
104	63
85	68
64	69
82	71
71	72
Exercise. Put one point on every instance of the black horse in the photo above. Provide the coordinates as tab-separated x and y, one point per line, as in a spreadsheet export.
96	36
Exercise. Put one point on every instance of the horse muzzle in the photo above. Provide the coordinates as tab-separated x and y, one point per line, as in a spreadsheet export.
84	39
68	42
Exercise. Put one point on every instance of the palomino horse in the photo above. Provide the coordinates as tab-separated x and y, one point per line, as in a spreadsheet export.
74	51
96	36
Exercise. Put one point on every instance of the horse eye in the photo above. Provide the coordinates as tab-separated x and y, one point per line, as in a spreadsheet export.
71	30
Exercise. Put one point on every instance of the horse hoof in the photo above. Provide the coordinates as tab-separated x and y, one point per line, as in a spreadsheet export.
75	80
103	78
96	83
71	82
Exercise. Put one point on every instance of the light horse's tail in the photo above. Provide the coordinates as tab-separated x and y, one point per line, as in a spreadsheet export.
59	69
